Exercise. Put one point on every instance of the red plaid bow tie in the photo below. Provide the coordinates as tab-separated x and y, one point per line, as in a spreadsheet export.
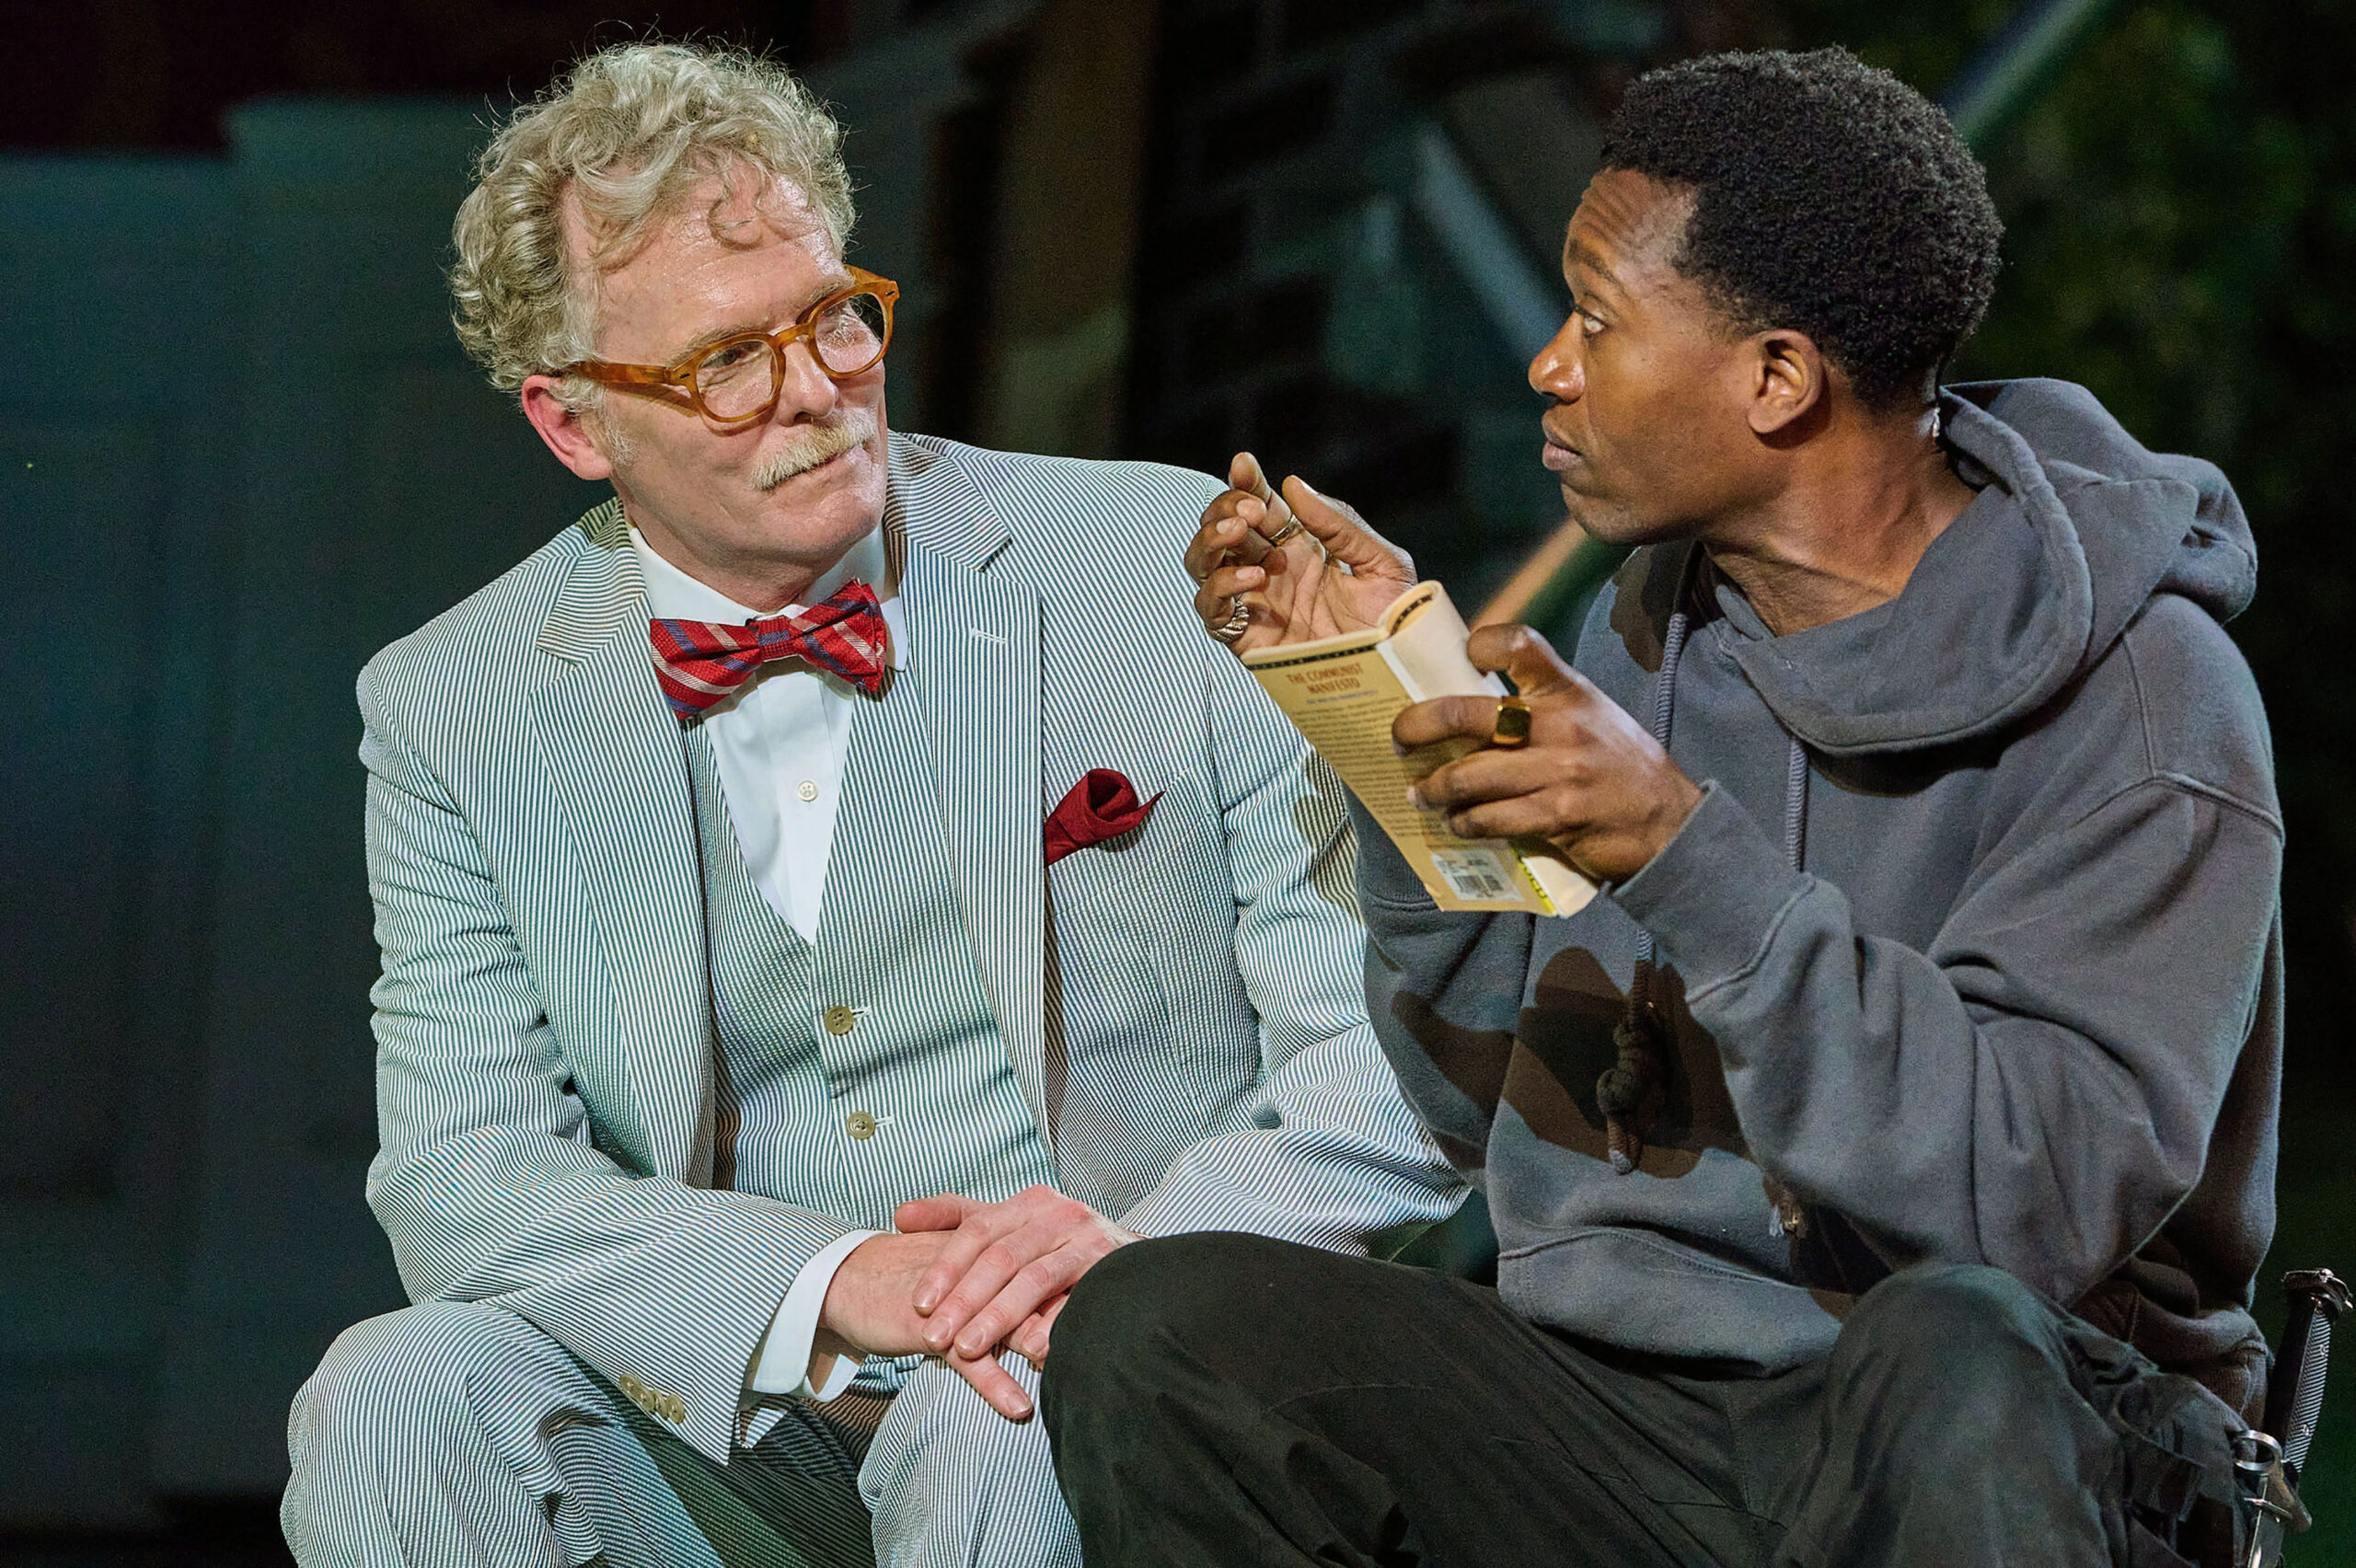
698	662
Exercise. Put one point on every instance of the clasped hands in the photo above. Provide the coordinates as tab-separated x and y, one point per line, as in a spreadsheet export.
962	1279
1590	779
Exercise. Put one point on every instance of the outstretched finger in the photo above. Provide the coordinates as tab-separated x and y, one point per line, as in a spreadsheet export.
1244	472
1345	533
981	1229
1024	1292
1445	718
1514	816
1485	776
1274	515
1014	1272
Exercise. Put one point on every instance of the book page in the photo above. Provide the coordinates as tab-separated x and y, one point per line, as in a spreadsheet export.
1343	702
1342	693
1426	647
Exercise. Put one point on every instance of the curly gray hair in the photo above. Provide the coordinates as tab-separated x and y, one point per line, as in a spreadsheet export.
631	131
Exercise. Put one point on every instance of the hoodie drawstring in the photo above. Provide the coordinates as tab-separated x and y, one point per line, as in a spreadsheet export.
1785	1216
1796	807
1630	1093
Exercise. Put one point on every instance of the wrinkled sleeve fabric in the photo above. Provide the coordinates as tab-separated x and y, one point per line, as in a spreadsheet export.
1444	991
1331	1155
490	1181
2035	1090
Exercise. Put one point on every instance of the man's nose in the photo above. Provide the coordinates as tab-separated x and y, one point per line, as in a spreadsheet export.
1557	370
807	388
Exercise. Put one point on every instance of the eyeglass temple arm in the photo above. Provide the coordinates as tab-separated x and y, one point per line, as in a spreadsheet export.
623	375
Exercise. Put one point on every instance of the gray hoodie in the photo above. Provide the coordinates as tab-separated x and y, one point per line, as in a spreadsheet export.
1986	970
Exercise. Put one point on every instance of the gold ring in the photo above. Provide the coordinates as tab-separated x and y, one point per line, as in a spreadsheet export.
1292	525
1510	730
1239	621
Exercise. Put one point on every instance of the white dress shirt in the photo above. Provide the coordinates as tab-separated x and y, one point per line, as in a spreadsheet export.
778	742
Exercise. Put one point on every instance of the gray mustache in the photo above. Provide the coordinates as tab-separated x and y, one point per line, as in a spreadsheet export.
822	443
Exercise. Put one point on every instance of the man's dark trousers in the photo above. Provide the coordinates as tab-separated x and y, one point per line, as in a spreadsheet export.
1229	1399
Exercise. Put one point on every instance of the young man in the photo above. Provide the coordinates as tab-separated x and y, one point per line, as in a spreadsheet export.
1912	1090
731	917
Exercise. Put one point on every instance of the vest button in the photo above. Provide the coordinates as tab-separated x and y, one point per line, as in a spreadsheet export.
861	1125
840	1021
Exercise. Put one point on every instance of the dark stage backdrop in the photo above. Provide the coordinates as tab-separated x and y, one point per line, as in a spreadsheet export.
240	451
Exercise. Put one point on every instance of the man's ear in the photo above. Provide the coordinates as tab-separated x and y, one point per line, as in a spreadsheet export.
566	432
1789	379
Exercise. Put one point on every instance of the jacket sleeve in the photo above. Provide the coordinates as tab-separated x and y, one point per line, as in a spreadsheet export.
1330	1153
491	1182
2035	1090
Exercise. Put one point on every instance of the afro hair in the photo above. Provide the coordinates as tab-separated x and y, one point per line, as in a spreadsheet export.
1829	197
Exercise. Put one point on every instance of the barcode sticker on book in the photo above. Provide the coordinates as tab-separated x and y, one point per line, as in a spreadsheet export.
1475	873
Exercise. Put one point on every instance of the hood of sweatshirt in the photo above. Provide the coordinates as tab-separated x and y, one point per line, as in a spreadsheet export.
2076	527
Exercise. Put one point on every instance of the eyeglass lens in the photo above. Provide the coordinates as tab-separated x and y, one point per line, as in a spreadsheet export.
737	379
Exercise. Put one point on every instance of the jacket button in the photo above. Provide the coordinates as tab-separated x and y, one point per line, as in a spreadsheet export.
861	1124
840	1020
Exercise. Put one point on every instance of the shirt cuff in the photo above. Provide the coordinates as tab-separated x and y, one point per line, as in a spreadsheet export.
783	1364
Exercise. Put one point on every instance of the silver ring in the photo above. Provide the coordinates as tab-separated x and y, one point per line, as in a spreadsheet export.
1238	619
1292	525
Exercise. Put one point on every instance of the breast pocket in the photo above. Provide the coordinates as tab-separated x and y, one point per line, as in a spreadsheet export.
1145	941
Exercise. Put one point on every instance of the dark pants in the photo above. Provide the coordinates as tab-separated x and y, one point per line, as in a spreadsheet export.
1230	1399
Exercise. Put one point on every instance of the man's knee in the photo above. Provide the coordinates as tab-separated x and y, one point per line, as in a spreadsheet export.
406	1374
1133	1296
392	1406
1953	1348
1954	1428
1949	1313
1157	1298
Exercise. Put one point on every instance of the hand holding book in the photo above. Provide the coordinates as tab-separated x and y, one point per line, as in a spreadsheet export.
1591	782
1380	674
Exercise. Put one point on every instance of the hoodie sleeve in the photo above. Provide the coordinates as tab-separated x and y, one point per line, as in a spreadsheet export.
1444	991
2035	1090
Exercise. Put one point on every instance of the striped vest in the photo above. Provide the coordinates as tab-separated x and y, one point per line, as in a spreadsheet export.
868	1069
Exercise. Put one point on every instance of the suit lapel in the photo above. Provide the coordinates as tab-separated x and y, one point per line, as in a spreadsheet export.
974	659
612	756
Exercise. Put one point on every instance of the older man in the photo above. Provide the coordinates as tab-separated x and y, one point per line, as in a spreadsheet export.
1882	1167
834	830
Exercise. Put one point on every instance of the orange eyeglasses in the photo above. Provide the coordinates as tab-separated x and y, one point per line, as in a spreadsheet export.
737	380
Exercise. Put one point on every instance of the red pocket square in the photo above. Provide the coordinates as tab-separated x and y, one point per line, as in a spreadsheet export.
1103	805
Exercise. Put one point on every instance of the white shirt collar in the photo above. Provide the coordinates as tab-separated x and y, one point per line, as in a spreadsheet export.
671	594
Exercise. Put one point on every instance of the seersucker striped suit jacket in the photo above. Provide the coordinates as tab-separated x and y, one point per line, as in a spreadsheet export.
544	1022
